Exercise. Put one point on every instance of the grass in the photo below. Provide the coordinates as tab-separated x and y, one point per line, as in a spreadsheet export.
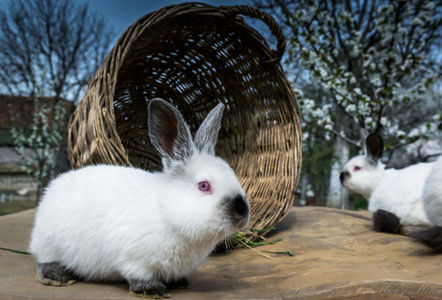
15	251
251	239
10	207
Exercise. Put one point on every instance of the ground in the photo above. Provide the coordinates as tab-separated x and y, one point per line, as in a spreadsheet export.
336	256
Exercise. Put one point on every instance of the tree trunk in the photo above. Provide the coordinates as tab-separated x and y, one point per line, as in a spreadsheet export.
304	183
337	194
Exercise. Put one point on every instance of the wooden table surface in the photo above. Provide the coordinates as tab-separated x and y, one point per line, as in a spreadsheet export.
336	256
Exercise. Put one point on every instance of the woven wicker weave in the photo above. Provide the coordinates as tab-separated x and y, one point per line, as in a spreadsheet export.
195	55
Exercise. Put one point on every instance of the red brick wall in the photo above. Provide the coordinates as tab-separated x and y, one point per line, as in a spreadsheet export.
17	111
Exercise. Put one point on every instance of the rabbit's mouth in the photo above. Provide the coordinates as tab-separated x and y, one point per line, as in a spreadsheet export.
237	210
343	177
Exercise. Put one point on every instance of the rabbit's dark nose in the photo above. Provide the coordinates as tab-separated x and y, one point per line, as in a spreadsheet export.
240	206
344	175
238	209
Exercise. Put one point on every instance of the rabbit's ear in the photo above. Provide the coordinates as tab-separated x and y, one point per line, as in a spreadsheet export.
374	146
207	134
169	133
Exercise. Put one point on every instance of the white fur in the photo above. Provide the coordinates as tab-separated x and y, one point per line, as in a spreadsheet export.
396	191
432	194
110	222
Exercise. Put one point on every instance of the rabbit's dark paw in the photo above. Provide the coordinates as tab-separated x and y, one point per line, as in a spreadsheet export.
151	289
55	274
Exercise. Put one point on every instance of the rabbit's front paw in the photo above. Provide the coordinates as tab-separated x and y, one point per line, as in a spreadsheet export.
55	274
152	289
180	283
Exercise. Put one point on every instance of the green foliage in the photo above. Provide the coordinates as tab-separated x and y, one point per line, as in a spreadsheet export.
359	202
317	159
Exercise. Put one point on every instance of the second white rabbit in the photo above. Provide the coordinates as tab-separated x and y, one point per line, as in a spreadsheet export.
394	195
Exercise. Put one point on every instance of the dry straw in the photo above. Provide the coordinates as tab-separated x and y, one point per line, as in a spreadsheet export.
196	55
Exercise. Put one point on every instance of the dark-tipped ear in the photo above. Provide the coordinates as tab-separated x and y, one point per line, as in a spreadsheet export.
207	134
168	132
374	146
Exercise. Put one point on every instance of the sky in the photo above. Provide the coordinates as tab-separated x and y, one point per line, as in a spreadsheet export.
120	14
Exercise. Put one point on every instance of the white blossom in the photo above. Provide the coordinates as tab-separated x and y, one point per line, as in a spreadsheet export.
400	133
351	108
413	133
380	80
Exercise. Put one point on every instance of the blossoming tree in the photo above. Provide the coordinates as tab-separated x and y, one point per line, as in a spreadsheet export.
377	65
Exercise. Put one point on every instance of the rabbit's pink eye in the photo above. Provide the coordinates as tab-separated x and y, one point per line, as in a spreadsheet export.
356	168
204	186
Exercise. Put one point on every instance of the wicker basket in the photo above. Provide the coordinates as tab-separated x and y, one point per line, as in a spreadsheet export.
195	55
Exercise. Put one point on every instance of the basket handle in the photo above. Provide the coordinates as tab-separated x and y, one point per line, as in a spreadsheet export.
267	19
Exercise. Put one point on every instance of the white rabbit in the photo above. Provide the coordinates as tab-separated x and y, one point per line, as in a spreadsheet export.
394	196
150	229
432	194
432	202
